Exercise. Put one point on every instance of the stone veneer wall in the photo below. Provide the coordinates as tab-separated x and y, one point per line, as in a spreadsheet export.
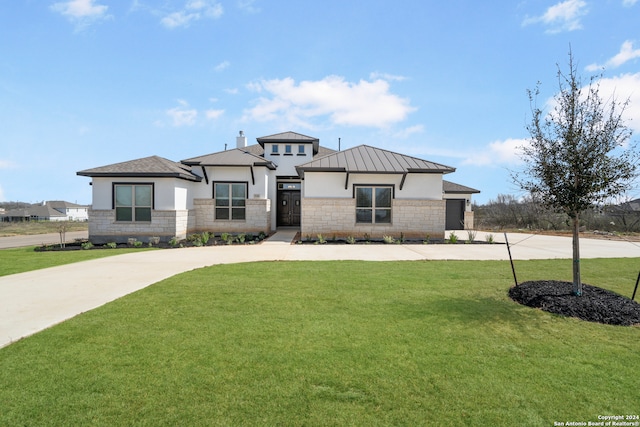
468	220
337	216
258	217
103	227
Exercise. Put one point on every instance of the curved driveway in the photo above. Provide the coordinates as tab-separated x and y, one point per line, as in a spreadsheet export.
33	301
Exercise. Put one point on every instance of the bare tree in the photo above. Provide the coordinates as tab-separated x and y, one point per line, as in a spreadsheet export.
578	154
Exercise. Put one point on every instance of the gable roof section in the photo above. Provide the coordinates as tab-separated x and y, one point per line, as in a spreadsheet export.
290	137
35	211
152	167
367	159
452	188
233	157
61	204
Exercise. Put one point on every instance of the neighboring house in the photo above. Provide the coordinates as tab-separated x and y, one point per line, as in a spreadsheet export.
286	180
48	211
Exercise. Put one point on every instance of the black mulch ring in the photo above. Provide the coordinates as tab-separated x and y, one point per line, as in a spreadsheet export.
595	305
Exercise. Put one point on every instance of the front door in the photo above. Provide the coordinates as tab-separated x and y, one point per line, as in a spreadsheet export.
289	208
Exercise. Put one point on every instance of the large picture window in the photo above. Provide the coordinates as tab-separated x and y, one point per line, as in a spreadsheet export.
133	202
373	204
230	200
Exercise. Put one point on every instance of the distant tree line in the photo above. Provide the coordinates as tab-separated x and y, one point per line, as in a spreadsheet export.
509	212
14	205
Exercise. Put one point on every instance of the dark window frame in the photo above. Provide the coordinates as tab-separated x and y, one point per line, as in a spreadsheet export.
133	206
373	208
230	208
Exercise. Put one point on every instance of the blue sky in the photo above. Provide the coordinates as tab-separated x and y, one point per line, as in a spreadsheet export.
86	83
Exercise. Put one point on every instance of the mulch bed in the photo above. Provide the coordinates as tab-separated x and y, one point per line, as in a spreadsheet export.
595	305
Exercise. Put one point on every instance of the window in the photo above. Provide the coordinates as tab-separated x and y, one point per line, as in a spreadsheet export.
133	202
274	149
373	204
287	149
230	200
300	149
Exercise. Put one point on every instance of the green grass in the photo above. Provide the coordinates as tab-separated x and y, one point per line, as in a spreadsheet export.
19	260
329	343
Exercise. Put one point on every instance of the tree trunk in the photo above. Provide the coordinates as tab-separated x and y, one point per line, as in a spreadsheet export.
577	282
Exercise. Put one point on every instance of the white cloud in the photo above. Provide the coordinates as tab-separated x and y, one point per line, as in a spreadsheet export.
407	132
193	10
232	91
5	164
627	53
81	12
498	153
213	114
629	3
564	16
222	66
622	87
182	115
247	6
365	103
384	76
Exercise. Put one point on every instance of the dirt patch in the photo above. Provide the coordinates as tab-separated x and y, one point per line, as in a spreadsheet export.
595	305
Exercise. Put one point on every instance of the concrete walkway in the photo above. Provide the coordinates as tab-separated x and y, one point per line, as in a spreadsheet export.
33	301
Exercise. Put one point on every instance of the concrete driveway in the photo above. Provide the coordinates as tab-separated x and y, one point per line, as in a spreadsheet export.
33	301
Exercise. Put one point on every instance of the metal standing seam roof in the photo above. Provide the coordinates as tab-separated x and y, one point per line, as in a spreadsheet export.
153	166
367	159
453	188
233	157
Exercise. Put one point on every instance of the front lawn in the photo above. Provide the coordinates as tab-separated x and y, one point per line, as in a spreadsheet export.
19	260
330	343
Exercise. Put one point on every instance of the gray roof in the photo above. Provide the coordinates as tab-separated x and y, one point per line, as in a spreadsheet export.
38	211
290	137
453	188
153	167
367	159
234	157
61	204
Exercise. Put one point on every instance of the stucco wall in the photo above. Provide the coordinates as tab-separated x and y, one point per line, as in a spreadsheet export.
423	186
337	216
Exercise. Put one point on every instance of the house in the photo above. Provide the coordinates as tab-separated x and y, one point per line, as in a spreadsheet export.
285	180
48	211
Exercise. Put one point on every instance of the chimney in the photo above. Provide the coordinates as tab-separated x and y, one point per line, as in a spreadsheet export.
241	140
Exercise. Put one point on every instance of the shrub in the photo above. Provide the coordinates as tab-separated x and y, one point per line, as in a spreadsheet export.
426	239
262	235
489	238
173	242
137	243
154	240
111	245
321	239
471	236
86	245
204	237
351	240
453	238
131	241
241	238
225	237
388	239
